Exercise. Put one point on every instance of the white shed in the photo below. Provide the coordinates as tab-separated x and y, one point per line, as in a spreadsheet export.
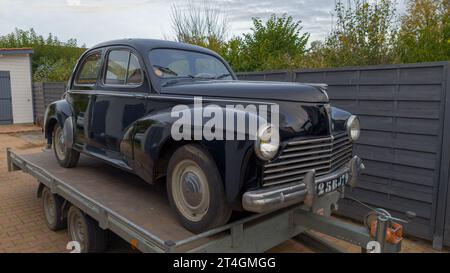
16	99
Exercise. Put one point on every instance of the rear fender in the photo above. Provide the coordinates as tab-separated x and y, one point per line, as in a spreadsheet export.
59	112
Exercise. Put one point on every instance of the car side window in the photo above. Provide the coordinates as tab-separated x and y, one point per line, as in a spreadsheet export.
117	67
88	72
123	68
135	73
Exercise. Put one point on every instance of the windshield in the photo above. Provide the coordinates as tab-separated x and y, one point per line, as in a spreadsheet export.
174	63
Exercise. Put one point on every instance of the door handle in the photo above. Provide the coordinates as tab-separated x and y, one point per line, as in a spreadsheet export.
140	96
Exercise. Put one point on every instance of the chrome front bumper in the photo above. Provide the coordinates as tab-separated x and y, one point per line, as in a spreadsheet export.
280	196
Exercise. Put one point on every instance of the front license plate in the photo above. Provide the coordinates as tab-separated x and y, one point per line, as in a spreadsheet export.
331	185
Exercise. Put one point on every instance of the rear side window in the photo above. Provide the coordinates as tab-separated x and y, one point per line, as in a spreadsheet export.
135	72
88	72
123	69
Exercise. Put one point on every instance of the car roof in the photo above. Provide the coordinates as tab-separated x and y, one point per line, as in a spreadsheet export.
144	45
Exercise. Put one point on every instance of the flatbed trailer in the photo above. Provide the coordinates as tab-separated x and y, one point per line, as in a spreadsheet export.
140	213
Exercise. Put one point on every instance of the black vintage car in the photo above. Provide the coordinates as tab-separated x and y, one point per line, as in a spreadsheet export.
119	108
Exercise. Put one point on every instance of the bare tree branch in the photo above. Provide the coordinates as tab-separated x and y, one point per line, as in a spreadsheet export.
202	25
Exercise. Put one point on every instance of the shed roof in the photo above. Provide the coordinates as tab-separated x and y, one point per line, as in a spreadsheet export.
12	51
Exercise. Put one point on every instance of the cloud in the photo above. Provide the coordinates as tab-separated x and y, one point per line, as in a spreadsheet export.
73	2
314	14
94	21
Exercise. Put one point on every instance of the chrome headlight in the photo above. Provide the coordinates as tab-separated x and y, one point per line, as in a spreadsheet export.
267	142
353	128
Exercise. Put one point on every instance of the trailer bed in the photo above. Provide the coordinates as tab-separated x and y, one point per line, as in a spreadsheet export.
140	213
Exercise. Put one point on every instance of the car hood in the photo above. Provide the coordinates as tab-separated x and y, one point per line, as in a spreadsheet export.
280	91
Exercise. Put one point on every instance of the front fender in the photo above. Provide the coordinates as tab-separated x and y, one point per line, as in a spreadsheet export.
143	143
149	143
59	112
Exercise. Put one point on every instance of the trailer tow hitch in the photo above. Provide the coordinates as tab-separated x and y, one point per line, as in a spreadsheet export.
381	233
385	229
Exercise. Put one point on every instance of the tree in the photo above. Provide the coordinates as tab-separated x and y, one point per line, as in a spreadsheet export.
424	34
275	44
53	60
316	56
364	34
204	26
232	52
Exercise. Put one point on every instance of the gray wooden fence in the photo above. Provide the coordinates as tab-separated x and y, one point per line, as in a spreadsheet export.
405	140
43	94
405	116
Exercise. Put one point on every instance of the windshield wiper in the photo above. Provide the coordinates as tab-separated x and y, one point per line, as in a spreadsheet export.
166	70
221	76
188	76
215	77
194	77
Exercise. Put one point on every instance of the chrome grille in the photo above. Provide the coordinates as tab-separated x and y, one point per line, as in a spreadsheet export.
324	155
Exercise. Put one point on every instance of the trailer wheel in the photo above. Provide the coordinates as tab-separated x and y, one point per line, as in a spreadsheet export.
195	189
52	207
67	157
85	230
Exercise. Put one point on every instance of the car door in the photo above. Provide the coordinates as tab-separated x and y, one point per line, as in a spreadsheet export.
120	99
80	95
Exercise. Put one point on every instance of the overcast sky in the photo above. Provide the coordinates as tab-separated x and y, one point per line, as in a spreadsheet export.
94	21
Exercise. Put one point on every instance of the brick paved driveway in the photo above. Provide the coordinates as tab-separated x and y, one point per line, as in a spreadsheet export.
22	227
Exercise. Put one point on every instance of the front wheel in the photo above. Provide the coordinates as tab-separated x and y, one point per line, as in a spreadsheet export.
195	189
66	156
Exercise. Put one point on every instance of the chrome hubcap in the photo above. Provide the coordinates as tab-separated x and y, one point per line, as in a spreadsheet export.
59	144
190	190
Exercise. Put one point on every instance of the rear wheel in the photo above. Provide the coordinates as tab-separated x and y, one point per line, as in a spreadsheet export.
66	156
85	230
52	207
195	189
